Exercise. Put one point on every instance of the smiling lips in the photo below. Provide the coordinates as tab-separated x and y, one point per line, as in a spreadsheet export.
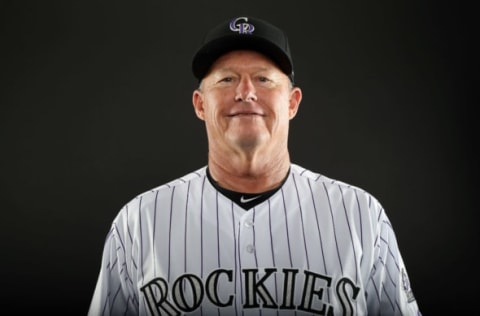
245	114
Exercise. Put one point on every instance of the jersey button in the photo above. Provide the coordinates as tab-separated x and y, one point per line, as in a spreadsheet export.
250	248
249	223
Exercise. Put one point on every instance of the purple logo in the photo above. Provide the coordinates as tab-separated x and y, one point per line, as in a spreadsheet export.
241	26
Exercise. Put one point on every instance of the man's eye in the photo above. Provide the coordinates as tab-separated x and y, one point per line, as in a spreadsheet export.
263	79
227	79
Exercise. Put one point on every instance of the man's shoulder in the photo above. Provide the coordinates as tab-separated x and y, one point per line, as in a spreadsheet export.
335	190
144	199
145	203
314	176
320	180
184	180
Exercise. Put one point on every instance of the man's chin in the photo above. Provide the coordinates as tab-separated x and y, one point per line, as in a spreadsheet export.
249	142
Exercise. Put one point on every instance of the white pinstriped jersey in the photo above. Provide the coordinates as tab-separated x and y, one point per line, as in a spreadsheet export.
315	247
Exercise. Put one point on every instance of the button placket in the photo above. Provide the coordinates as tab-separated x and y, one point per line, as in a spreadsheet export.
247	238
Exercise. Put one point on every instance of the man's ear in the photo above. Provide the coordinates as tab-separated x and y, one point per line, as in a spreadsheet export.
295	99
197	100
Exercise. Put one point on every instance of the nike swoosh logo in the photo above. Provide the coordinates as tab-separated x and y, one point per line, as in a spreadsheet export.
244	200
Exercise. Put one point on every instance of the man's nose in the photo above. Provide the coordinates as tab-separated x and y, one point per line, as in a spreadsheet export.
245	91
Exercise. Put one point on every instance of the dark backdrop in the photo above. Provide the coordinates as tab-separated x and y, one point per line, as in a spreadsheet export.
96	108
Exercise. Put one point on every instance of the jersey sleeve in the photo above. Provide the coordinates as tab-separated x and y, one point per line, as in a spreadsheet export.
388	289
114	292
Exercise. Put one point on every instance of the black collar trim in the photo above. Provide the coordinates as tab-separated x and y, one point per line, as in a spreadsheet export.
245	200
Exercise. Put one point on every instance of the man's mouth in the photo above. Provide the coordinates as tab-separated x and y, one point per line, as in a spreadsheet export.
245	114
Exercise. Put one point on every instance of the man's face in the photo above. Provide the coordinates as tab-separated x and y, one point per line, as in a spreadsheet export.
246	102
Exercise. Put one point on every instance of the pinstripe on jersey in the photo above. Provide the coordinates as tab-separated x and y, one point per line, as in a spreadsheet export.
317	246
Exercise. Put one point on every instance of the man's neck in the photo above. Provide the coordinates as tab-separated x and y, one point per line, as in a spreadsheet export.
249	175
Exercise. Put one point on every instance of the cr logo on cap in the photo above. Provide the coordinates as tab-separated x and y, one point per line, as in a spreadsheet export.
241	28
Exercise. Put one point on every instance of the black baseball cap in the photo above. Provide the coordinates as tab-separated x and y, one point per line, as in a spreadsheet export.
243	33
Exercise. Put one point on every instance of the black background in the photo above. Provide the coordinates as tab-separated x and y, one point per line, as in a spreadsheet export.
96	108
